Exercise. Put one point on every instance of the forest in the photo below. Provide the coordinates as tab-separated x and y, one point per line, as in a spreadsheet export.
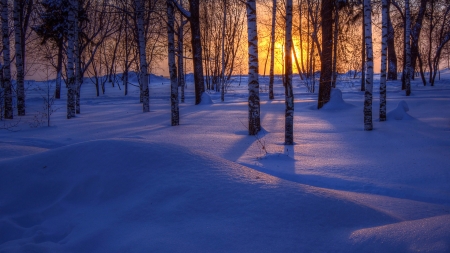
225	126
78	39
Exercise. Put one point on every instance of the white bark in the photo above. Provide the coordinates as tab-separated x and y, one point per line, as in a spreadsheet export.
289	101
77	60
407	48
70	60
175	115
181	81
254	123
8	107
368	124
19	59
143	76
384	14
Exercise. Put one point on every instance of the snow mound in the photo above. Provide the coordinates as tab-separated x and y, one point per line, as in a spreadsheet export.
400	113
122	195
423	235
336	102
206	99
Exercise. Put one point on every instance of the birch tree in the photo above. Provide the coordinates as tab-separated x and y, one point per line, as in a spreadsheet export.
368	124
254	123
71	89
407	49
384	18
76	57
289	95
7	87
272	49
143	76
19	58
180	36
175	115
363	53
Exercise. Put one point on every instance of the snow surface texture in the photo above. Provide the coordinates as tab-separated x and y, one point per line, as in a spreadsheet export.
116	180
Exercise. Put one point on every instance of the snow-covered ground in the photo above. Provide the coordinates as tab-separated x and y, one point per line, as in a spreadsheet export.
115	179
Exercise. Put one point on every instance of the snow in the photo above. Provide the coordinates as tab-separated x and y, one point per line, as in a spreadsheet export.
115	179
206	99
401	112
336	102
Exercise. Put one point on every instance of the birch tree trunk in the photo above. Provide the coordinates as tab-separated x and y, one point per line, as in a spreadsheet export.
70	60
326	54
363	55
222	75
6	63
368	124
272	50
19	59
254	123
289	100
407	49
335	43
143	76
181	81
77	60
384	32
175	115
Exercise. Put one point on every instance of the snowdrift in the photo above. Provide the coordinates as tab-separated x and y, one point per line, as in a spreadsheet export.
336	102
400	112
133	196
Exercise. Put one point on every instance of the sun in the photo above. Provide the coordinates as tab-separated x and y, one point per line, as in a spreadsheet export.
264	57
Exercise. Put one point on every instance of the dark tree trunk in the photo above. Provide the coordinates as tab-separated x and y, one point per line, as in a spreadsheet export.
125	81
59	70
422	74
326	70
272	49
392	56
415	34
194	21
404	58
